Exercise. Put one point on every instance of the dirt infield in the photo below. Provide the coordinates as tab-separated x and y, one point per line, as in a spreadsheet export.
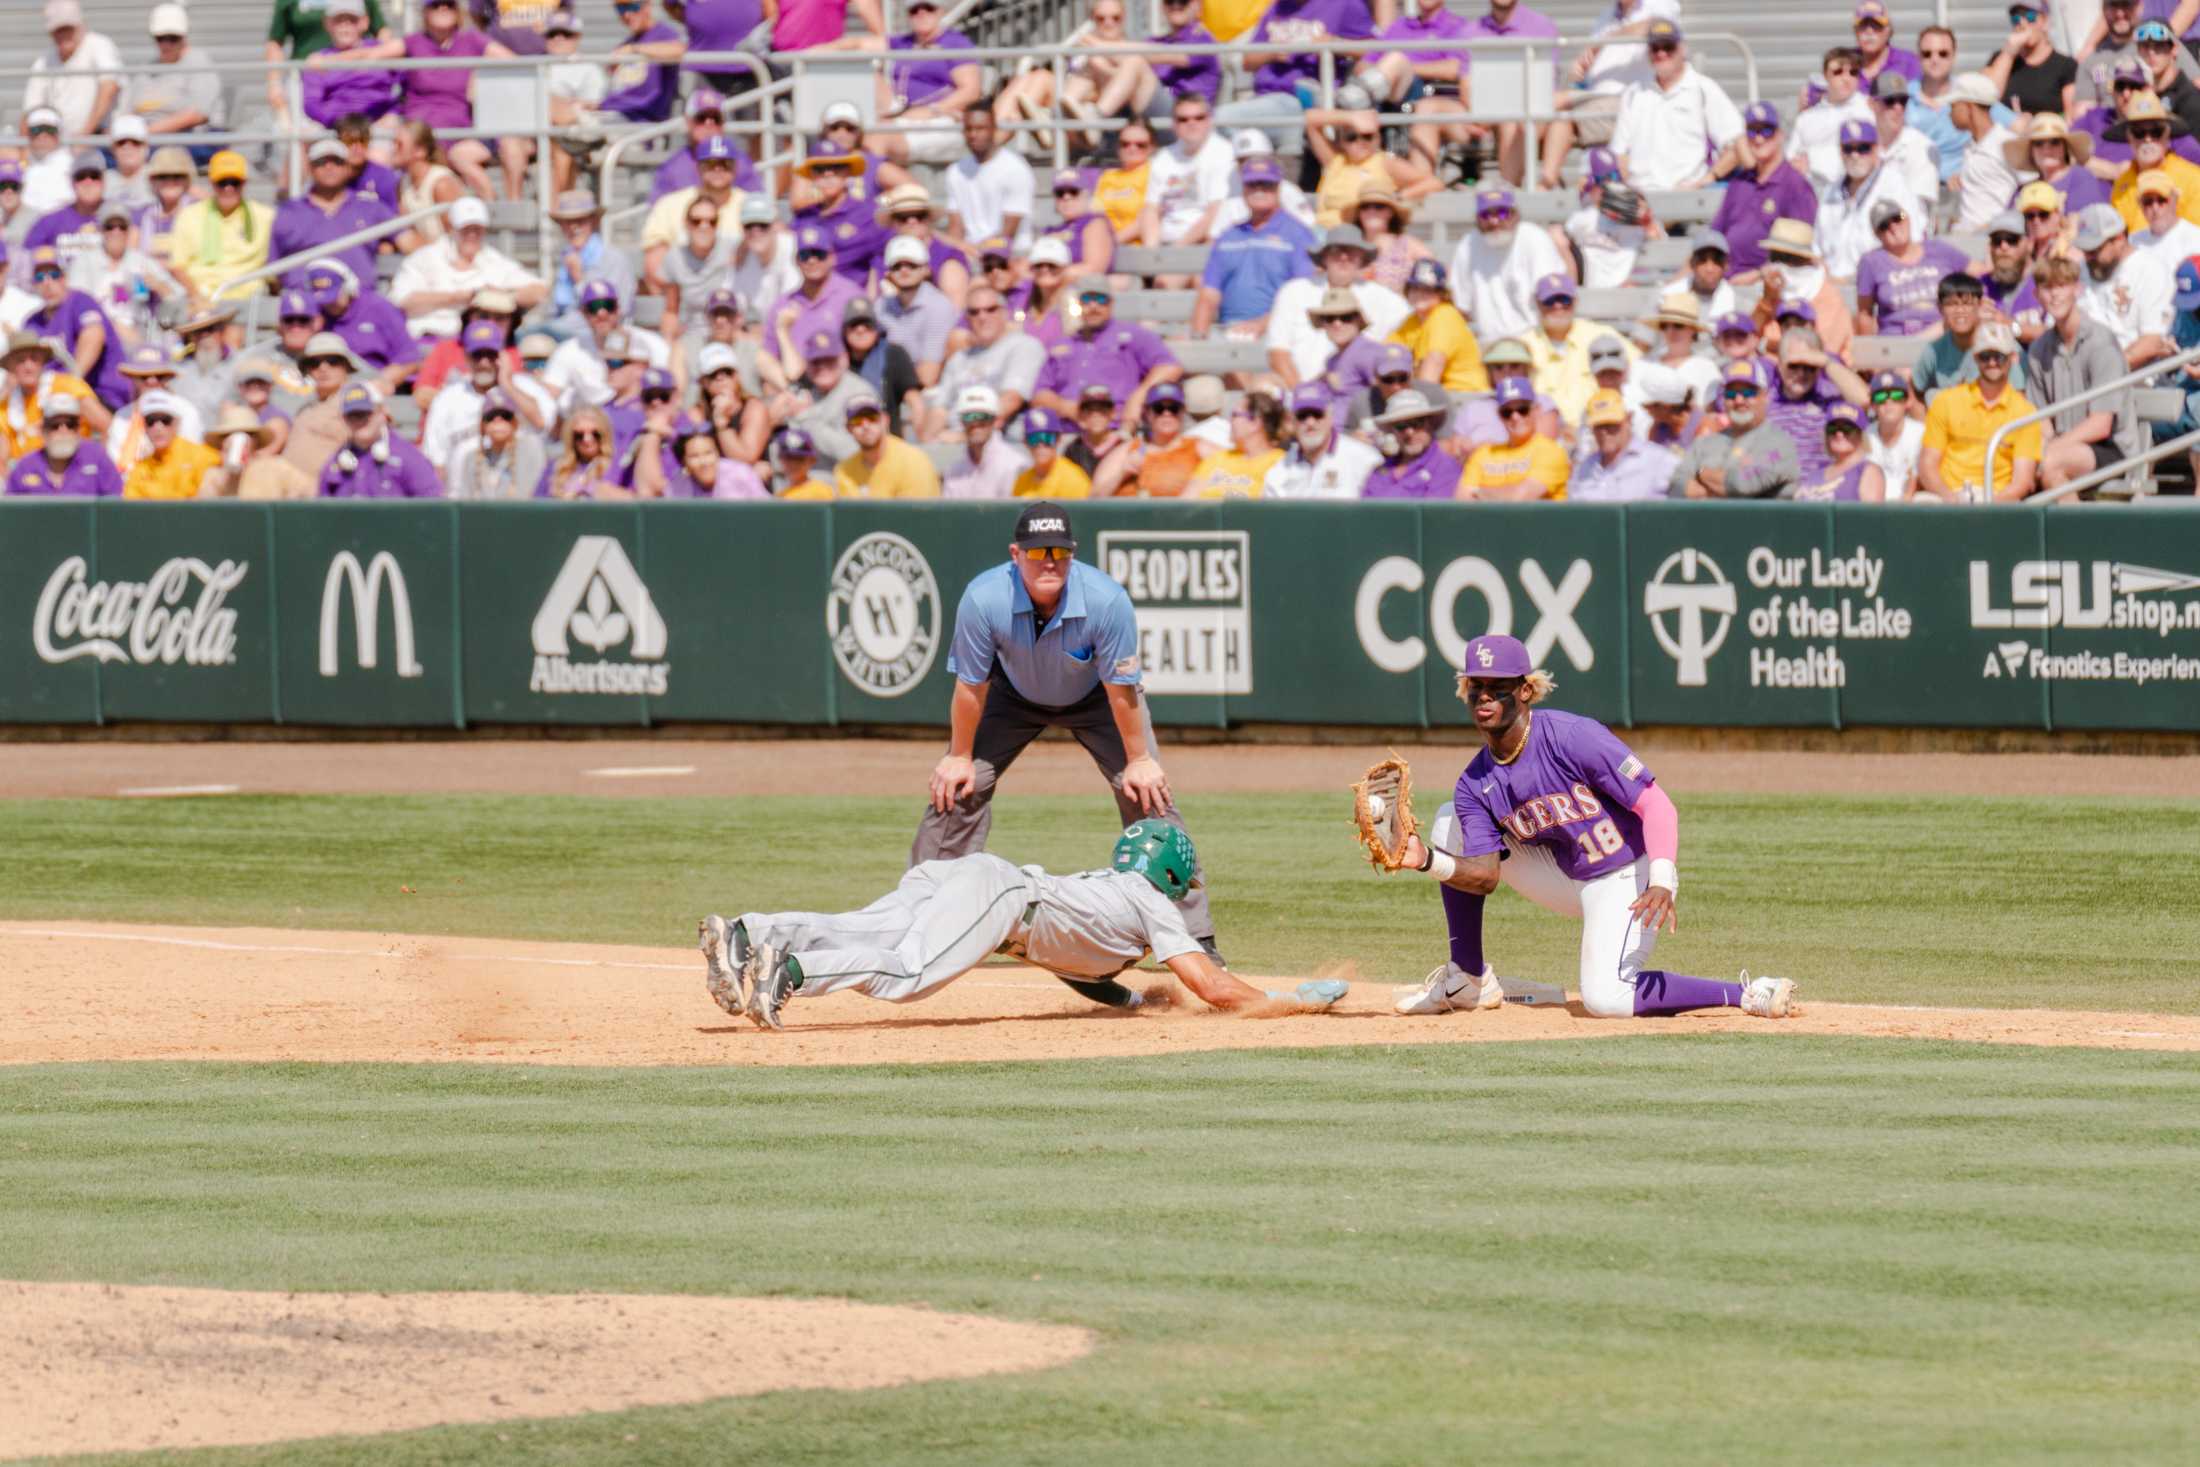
891	767
101	1368
249	994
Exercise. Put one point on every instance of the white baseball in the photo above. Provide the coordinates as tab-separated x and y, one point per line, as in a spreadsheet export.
1375	807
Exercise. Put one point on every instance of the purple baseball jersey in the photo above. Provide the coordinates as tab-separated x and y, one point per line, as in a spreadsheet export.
1571	788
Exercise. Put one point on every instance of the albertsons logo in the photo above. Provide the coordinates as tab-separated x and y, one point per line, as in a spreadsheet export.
599	601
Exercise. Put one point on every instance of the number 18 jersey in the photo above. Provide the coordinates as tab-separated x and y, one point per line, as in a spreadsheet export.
1571	788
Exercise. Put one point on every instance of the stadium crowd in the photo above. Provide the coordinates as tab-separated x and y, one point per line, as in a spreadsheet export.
900	313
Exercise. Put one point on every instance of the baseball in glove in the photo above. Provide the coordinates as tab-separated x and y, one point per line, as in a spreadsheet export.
1622	205
1382	811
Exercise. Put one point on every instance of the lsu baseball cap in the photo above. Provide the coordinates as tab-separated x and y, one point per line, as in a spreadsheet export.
1554	287
863	404
1845	415
1870	10
1395	359
822	346
1994	336
716	357
1043	523
1052	250
1891	84
1885	212
2039	194
714	150
1096	394
906	249
2154	183
657	379
1734	323
226	165
1797	311
132	129
357	398
2188	286
1761	117
481	336
2008	221
1492	656
1425	275
91	165
1605	407
1750	373
1511	351
1514	389
1856	133
469	213
704	102
616	347
328	149
840	112
1601	166
724	298
1706	238
796	443
1495	200
1165	392
1662	33
1260	169
1889	381
296	306
598	290
1039	420
1309	397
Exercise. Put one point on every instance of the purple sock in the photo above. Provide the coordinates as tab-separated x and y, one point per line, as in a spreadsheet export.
1659	992
1463	915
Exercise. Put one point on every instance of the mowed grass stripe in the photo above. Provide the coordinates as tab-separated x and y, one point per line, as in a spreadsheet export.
1993	903
1694	1248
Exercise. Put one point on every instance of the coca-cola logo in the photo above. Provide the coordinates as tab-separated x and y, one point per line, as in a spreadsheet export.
147	622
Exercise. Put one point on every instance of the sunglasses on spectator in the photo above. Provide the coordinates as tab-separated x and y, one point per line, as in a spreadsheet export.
867	415
923	216
2022	16
703	219
1740	389
613	364
1046	438
46	273
1125	145
1170	409
296	321
1363	137
601	308
1391	379
752	227
229	183
154	420
1067	191
1096	298
2033	214
1983	357
656	396
2155	45
1890	101
2153	132
113	225
49	131
1760	132
1838	429
2148	201
1494	216
2125	84
1046	552
1559	303
587	435
1857	150
1937	55
314	364
1891	394
971	420
1311	415
1663	48
1515	410
811	254
2000	241
995	262
493	414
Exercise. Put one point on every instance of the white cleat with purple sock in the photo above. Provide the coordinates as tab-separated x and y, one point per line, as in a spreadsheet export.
1769	998
1449	988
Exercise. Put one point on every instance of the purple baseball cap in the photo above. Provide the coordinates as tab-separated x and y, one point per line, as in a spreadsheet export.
296	306
1797	311
2128	71
1042	420
1555	288
481	336
1425	275
1515	389
1260	168
1847	414
1602	165
1498	200
822	344
598	290
1080	179
1170	392
714	150
1490	656
722	299
1734	323
11	172
1309	397
794	442
703	102
1761	116
357	398
862	403
1752	373
657	379
1892	381
1858	132
812	237
1395	359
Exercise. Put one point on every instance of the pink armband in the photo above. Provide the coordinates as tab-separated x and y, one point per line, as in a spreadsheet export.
1661	825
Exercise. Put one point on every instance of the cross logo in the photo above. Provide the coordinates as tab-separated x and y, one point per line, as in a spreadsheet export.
1688	586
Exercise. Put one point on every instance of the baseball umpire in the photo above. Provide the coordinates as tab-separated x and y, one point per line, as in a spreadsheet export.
1047	641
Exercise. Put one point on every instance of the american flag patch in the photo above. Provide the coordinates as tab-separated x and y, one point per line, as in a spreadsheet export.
1631	767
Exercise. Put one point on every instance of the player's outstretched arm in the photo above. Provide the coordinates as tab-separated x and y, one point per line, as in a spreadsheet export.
1216	986
1474	875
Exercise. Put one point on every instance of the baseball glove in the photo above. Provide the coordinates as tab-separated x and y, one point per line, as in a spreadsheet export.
1382	811
1622	205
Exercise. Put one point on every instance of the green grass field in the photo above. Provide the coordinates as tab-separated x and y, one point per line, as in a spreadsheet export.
1751	1247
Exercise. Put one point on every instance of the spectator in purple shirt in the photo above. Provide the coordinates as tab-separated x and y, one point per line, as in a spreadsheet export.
923	82
329	209
1508	20
1874	28
72	323
1898	284
1176	73
723	25
1416	467
72	231
1769	187
331	95
1409	75
66	464
356	132
1287	80
440	97
374	329
375	463
706	119
644	89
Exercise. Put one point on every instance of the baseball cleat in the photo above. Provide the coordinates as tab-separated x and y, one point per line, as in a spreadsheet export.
1447	989
725	952
1318	993
1769	998
771	978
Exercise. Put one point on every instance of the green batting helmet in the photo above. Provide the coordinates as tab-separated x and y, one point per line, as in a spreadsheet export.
1160	852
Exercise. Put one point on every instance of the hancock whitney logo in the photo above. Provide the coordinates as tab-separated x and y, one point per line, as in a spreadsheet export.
598	601
882	614
1691	605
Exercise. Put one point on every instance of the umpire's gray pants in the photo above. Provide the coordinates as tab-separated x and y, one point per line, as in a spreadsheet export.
1005	729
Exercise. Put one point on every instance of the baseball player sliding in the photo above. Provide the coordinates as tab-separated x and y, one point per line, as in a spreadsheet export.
946	917
1046	641
1561	811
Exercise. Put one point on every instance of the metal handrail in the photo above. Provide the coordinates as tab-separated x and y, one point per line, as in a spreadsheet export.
2116	470
2146	373
276	269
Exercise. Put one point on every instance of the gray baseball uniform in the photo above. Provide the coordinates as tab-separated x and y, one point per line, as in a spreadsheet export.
946	917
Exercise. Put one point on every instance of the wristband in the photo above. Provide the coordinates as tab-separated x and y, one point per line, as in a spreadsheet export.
1440	865
1663	873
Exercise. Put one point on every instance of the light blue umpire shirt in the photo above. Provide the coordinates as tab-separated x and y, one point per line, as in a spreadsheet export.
1092	637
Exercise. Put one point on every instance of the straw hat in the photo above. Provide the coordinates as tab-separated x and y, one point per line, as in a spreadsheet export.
1791	238
237	418
902	198
1676	310
1383	193
2146	107
855	163
2047	127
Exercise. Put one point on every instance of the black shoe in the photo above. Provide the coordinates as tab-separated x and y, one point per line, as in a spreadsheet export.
1207	946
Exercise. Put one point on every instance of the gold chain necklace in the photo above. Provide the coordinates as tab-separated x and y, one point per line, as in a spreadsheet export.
1527	727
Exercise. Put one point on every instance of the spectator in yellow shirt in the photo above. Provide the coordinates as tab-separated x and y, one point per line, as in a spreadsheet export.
1049	476
175	466
1526	465
797	462
1256	436
1564	350
883	466
1952	462
29	380
222	237
1121	192
1444	349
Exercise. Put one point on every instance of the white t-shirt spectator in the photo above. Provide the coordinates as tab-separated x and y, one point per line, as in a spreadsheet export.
1844	234
760	281
1913	155
71	87
1608	250
1667	136
1011	364
2137	299
2174	248
1896	460
576	372
1337	474
1496	291
1620	64
454	418
1816	137
1291	329
436	268
1987	181
1182	187
984	195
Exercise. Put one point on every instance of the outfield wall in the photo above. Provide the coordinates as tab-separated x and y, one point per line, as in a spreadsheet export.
447	615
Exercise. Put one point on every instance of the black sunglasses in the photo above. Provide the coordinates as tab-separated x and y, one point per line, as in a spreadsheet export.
158	420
